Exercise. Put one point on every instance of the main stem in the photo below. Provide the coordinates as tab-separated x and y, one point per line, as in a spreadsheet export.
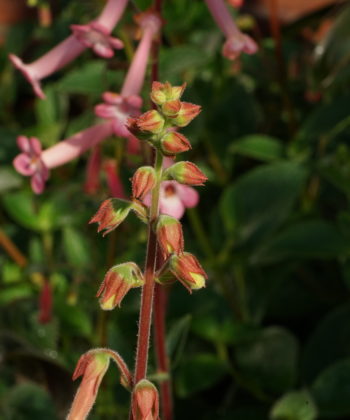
148	289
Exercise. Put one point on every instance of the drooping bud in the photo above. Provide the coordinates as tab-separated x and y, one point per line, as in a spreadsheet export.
186	268
143	181
116	284
173	143
111	214
185	173
164	92
145	401
93	366
171	108
186	114
169	235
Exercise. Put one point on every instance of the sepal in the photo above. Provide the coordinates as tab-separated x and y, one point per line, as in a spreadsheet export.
143	181
173	143
185	173
145	401
164	92
186	268
169	235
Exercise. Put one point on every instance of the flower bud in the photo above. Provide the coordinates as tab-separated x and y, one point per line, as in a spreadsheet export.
186	268
111	214
143	181
171	108
186	114
145	401
186	173
164	92
147	124
116	284
169	235
92	365
173	143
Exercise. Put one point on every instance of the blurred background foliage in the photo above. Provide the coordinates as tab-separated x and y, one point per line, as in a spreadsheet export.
269	337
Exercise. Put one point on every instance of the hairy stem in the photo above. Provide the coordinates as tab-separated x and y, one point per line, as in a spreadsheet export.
148	289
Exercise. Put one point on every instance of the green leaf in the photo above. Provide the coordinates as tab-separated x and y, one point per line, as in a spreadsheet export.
197	373
296	405
9	179
307	239
259	147
330	341
28	401
269	360
75	247
331	390
74	319
87	79
262	199
176	338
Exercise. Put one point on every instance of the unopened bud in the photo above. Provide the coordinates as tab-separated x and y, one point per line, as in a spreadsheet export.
173	143
116	284
145	401
171	108
143	181
186	114
186	268
164	92
111	214
169	235
186	173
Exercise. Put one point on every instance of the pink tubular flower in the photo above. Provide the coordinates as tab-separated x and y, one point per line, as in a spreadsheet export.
114	182
118	107
236	41
92	181
94	35
35	163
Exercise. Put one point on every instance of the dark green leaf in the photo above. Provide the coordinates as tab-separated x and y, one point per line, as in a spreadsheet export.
296	405
259	147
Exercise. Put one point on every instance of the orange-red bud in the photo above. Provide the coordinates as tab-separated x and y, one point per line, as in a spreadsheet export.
169	235
164	92
186	268
186	114
173	143
111	213
151	121
186	173
171	108
117	282
143	181
145	401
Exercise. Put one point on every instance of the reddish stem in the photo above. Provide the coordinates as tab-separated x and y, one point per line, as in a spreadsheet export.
160	305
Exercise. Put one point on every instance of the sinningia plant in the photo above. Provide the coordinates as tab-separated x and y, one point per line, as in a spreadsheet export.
160	193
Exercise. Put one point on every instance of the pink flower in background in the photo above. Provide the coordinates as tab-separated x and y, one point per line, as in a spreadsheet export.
236	41
94	35
36	163
30	163
174	197
236	3
93	167
114	182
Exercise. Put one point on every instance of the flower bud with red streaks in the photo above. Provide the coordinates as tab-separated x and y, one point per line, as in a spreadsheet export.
185	173
170	235
173	143
145	401
111	214
116	284
164	92
171	108
186	114
143	181
186	268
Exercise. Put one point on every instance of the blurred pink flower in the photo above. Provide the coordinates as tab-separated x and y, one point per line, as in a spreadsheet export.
96	35
93	167
36	163
174	197
114	182
236	41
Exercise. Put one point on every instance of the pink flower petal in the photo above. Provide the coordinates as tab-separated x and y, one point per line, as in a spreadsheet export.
120	129
37	183
103	50
172	206
23	165
250	46
115	43
105	111
133	145
23	144
189	196
35	146
112	98
135	101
